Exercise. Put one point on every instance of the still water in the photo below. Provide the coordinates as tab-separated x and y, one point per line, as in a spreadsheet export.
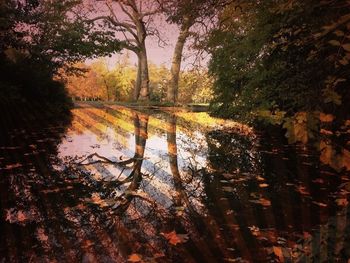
115	184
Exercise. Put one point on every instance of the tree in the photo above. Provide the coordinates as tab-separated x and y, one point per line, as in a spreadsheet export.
187	14
38	38
134	28
48	31
281	55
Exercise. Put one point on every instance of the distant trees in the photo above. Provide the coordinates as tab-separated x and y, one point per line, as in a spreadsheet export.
195	86
99	81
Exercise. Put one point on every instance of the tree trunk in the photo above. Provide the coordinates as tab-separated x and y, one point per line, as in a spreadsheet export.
137	84
172	91
144	76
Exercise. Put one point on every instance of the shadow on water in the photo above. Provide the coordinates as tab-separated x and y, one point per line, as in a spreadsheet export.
117	185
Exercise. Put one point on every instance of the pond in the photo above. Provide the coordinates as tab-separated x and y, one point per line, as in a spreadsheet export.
116	184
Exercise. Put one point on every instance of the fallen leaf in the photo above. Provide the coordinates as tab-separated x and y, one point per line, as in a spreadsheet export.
255	230
278	252
263	185
261	201
21	216
41	235
174	238
326	117
134	258
260	178
265	202
13	166
228	189
306	235
318	181
319	204
228	176
302	190
342	202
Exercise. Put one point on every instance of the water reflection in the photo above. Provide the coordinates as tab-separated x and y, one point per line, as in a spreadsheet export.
156	186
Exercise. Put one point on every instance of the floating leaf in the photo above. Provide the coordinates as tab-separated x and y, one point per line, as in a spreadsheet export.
334	42
263	185
228	176
259	178
41	235
326	117
134	258
261	201
255	230
344	61
302	190
13	166
318	181
319	204
228	189
342	202
339	33
278	252
346	47
174	238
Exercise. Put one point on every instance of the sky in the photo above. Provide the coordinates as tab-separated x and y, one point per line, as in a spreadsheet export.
156	54
159	55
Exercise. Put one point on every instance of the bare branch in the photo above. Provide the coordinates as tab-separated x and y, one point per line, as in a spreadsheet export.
103	159
127	12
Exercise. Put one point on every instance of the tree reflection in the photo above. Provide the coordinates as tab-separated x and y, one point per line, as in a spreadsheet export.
135	177
181	198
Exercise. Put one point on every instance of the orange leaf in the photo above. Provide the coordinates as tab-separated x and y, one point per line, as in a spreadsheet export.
13	166
263	185
265	202
278	252
134	258
342	202
326	117
302	190
174	238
